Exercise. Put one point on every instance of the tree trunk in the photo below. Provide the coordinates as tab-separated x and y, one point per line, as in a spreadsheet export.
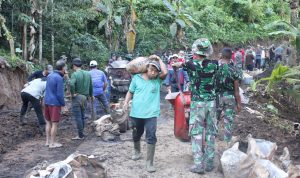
24	43
8	35
294	17
41	38
294	21
52	34
298	50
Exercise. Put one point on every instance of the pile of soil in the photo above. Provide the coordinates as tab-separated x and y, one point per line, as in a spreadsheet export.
22	147
247	123
12	82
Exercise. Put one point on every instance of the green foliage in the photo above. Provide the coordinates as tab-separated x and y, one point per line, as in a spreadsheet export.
285	29
287	78
94	29
276	76
16	61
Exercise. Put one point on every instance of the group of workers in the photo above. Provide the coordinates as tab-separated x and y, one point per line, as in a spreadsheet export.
214	86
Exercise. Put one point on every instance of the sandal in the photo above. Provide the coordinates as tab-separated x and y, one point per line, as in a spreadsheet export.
78	138
55	145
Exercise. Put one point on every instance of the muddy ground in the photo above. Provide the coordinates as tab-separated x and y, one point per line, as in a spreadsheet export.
23	147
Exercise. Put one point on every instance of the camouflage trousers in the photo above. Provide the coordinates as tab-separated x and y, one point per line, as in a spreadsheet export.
227	105
203	130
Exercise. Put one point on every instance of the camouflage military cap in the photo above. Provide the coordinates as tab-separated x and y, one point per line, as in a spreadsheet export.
202	47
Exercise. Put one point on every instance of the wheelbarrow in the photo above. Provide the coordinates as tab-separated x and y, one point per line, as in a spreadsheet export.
181	104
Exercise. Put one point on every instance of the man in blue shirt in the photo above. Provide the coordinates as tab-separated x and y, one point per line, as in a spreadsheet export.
172	81
41	73
145	108
54	100
99	85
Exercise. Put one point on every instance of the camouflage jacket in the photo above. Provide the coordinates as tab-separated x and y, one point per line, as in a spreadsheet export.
239	64
225	77
202	79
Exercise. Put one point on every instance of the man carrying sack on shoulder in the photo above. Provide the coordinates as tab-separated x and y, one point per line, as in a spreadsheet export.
145	93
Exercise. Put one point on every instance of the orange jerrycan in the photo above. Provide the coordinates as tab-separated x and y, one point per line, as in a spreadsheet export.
181	103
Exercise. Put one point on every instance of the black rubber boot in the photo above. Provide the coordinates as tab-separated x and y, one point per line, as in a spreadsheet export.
23	120
209	168
197	169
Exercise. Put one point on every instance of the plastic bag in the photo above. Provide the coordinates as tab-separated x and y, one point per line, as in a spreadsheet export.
60	169
257	149
231	160
244	99
266	169
262	149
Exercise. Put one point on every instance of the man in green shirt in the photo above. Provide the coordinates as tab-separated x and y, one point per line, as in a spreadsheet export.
145	108
81	88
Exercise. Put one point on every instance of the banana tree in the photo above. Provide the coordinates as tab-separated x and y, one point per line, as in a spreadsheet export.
289	30
130	31
113	17
288	78
181	20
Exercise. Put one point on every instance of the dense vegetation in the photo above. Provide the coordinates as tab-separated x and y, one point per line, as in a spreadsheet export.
94	29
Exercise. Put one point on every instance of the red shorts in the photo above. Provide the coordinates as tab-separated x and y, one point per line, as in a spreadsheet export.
52	113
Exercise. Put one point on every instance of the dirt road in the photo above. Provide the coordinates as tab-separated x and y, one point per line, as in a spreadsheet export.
23	148
172	158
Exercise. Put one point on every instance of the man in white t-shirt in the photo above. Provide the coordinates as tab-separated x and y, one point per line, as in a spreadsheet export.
32	93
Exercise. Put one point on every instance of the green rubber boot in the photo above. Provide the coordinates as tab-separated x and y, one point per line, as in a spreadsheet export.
150	157
137	151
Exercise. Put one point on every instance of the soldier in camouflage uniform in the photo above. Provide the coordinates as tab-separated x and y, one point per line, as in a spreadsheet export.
238	61
203	122
227	82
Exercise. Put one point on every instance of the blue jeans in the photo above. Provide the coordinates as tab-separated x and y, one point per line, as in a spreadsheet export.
257	63
138	126
103	101
79	104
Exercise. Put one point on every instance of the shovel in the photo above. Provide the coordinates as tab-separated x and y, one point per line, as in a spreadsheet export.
93	112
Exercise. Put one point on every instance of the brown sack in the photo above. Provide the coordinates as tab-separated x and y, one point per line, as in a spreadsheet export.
137	65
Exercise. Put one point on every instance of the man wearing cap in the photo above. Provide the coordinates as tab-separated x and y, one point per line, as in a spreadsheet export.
40	73
145	108
36	75
203	122
112	59
181	56
175	83
81	88
99	85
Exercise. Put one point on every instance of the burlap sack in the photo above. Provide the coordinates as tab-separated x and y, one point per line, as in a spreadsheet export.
139	65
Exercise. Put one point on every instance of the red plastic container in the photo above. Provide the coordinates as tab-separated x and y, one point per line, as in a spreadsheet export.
181	104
